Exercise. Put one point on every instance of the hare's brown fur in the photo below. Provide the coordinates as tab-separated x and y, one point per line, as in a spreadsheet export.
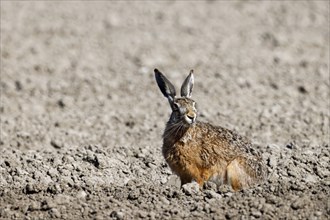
202	151
198	151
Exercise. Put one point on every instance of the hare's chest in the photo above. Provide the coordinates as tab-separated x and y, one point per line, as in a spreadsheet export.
186	140
183	153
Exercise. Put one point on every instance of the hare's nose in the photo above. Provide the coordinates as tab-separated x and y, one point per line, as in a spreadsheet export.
192	117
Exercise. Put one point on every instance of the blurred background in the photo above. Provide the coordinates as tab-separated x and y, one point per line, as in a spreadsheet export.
77	73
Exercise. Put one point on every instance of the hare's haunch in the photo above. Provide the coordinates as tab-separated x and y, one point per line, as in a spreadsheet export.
198	151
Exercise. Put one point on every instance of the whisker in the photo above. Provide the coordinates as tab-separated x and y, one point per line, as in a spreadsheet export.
173	129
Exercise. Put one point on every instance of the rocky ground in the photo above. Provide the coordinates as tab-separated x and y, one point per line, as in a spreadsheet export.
82	117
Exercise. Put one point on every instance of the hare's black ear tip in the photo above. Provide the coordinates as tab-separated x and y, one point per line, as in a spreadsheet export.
156	70
191	71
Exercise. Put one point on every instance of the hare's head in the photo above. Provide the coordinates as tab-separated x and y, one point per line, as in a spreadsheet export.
183	108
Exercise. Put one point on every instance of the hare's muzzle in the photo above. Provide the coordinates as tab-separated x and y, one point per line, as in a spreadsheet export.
190	117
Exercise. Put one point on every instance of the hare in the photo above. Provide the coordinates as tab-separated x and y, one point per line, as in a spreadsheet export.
198	151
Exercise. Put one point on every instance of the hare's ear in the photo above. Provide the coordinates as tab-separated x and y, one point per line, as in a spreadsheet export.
165	86
187	85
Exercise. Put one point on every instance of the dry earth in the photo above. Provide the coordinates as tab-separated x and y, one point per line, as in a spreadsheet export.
82	116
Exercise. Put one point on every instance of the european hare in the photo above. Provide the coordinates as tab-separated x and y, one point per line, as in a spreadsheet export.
198	151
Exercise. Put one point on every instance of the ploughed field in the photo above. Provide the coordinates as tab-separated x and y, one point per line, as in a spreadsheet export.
82	117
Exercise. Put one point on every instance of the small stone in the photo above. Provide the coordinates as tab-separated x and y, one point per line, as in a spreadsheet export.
54	188
213	195
34	206
25	208
164	200
322	173
211	185
207	208
173	181
65	171
326	182
190	188
23	134
291	146
298	204
134	194
62	199
318	213
101	162
163	180
256	214
298	186
152	215
268	208
48	204
311	178
20	172
272	162
140	155
117	215
231	214
56	144
152	165
55	213
223	188
292	173
31	189
143	214
81	194
228	194
52	172
271	199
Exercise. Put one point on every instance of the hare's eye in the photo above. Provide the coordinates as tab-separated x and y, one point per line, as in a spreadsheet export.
176	106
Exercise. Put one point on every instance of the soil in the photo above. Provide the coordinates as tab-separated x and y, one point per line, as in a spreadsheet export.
82	117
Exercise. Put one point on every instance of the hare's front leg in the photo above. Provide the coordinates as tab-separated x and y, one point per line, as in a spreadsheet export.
196	173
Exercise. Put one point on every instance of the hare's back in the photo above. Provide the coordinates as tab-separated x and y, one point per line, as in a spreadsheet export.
223	137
